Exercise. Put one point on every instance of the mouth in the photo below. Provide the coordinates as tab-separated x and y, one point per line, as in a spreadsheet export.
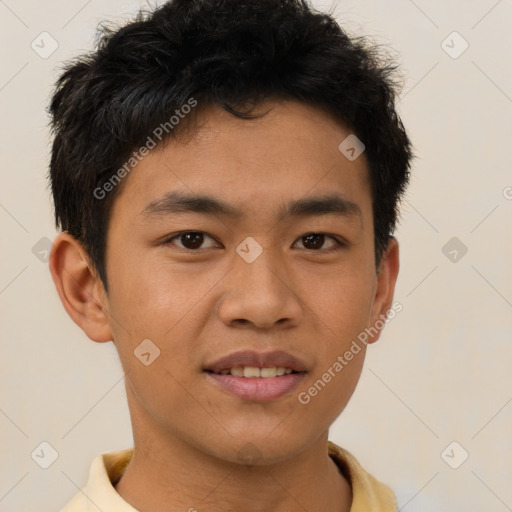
253	372
257	376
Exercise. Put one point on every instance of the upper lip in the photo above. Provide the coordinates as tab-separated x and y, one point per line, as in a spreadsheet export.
257	360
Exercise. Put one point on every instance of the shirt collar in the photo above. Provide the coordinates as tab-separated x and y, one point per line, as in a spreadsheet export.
107	468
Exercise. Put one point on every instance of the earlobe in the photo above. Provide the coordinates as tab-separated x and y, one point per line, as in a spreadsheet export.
79	288
385	288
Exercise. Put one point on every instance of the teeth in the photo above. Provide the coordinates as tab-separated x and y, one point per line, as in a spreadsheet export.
268	372
251	372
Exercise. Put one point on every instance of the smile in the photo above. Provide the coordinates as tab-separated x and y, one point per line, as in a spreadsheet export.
252	372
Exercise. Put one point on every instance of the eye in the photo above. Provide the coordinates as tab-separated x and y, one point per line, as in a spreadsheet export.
193	240
315	241
190	240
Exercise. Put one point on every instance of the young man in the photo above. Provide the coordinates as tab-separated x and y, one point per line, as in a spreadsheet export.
226	177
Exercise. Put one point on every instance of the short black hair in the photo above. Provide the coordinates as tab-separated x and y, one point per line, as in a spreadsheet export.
232	53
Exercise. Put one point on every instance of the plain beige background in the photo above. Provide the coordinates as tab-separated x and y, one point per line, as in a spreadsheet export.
440	373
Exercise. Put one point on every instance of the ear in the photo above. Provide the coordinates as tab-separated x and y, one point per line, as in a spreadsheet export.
80	289
385	288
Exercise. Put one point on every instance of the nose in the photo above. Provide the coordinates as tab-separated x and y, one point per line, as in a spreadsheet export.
260	294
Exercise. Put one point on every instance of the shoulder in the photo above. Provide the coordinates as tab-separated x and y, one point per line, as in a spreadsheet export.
105	471
368	492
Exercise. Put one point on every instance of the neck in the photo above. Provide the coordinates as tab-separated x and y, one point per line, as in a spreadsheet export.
192	484
170	475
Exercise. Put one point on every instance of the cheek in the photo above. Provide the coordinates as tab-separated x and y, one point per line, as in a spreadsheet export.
162	303
329	389
342	308
341	300
150	296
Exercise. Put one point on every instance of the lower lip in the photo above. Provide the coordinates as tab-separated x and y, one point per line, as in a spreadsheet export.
258	389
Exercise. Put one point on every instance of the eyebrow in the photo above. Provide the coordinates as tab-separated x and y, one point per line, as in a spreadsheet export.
174	203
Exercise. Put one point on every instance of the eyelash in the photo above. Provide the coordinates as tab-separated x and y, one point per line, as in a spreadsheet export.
339	243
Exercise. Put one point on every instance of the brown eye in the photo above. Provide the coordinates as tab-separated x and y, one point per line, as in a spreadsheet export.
315	241
191	240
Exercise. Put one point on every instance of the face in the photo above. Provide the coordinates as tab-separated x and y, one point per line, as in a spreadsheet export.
268	263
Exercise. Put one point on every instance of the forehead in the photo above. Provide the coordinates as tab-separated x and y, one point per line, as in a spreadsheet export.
290	152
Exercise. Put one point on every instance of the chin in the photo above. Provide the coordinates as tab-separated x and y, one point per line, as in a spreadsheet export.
259	449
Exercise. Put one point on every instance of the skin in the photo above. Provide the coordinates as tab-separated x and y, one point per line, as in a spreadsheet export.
199	306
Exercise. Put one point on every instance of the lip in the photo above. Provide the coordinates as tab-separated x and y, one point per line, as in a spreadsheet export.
257	389
257	360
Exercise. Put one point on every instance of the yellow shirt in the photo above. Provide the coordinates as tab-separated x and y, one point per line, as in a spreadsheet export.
369	495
